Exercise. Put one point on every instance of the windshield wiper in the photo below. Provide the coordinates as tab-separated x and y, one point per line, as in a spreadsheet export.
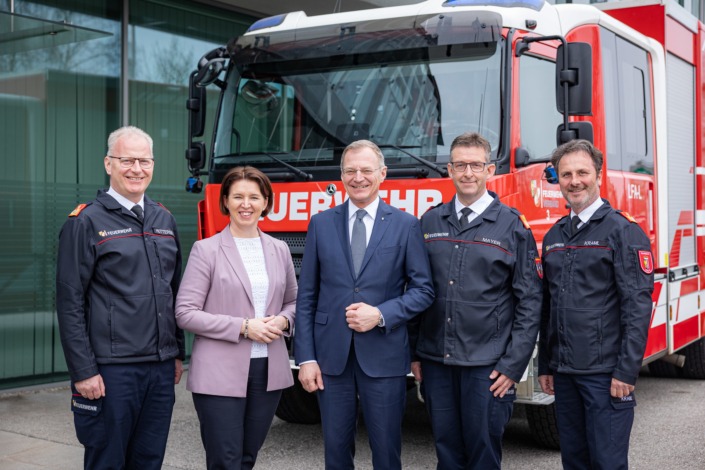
438	169
298	172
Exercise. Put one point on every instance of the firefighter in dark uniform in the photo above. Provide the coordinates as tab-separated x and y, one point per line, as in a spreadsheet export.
118	271
474	342
598	282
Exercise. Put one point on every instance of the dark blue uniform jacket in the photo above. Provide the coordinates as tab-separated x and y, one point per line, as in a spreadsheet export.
597	297
116	281
488	291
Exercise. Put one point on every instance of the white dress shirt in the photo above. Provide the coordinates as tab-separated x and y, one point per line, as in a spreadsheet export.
585	215
477	207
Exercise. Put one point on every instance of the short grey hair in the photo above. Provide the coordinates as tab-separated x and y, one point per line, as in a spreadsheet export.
126	131
360	144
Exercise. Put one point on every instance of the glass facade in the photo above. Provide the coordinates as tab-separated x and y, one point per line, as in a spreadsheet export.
64	86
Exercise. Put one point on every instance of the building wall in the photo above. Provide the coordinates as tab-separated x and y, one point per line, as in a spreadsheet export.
60	97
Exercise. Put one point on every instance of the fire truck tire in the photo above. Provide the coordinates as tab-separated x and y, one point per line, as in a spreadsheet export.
665	369
298	406
542	422
694	367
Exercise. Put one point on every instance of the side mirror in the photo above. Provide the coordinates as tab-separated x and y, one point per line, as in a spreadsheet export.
196	105
196	151
576	76
576	130
210	66
196	156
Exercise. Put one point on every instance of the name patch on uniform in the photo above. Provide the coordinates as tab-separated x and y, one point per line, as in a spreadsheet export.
428	236
163	231
646	261
594	243
110	233
628	399
554	246
491	241
83	406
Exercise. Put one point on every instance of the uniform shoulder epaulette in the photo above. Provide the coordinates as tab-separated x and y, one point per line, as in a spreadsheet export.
524	222
433	207
78	210
627	216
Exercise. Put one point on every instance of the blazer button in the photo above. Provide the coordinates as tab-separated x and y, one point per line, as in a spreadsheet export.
357	289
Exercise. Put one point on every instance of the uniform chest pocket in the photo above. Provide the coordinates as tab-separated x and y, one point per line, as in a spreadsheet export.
166	252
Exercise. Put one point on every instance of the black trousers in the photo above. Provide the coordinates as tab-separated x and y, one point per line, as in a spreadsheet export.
128	428
594	427
382	400
467	420
234	429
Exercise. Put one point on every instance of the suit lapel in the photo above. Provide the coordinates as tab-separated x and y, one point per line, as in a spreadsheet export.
227	245
378	229
341	226
270	261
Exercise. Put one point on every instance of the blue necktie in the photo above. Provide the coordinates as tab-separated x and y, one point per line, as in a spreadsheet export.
358	241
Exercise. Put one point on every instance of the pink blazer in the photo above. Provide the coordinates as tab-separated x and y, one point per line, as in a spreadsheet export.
214	299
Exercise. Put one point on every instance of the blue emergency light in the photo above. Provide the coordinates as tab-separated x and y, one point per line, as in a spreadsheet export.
268	22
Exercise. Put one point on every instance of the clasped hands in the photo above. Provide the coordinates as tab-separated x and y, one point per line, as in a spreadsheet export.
265	330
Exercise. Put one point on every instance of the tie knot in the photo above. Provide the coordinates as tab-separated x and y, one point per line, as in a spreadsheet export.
137	209
466	211
360	214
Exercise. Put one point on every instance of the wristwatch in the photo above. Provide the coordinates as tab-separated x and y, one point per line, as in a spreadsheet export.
380	323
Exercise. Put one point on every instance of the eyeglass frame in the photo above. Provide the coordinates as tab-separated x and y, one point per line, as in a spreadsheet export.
469	165
363	171
139	160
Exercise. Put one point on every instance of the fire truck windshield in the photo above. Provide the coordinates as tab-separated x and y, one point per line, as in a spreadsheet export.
305	111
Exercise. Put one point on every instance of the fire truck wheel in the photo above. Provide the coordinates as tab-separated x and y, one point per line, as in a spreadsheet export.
665	369
694	367
542	422
298	406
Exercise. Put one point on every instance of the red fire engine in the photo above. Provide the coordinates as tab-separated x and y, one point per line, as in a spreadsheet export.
527	75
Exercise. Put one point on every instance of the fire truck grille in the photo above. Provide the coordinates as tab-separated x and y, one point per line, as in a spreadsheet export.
296	242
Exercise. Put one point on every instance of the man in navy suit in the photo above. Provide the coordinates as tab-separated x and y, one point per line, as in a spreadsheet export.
365	274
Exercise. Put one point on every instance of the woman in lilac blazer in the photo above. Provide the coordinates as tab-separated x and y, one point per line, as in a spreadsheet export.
238	295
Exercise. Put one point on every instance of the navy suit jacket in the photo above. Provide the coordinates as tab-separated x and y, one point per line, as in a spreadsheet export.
395	277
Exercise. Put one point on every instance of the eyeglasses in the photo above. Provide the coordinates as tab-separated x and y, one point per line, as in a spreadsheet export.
145	163
364	171
475	167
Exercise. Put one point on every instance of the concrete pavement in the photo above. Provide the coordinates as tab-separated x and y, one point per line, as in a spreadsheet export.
36	431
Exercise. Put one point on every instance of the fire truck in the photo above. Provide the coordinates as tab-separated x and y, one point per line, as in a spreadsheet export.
528	75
